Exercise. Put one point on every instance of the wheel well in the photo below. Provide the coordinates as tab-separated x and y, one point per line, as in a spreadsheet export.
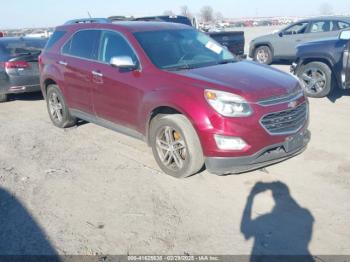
325	61
263	44
48	82
335	76
162	110
322	60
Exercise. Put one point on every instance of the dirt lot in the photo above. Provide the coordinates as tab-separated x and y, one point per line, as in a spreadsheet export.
89	190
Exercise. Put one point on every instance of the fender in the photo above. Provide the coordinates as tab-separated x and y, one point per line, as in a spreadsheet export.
193	109
51	72
255	45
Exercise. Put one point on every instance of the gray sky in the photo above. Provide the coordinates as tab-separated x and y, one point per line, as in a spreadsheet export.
37	13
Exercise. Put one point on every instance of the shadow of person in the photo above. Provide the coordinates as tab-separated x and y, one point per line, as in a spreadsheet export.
284	233
19	233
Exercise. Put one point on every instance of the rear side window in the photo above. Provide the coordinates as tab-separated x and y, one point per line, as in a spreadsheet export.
343	25
57	35
83	44
321	27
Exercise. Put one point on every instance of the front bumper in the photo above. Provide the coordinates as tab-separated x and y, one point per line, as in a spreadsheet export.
265	157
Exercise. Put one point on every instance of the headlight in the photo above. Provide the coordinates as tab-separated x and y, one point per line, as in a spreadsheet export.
228	104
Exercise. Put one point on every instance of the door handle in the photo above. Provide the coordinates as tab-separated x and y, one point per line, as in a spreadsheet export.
63	63
299	40
95	73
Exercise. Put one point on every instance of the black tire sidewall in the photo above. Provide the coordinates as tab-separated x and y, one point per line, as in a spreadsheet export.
67	120
328	74
268	50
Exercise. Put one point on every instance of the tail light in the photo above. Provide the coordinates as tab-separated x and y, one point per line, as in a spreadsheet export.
40	62
17	65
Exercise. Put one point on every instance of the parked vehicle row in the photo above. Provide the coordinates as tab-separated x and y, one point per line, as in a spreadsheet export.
178	90
282	44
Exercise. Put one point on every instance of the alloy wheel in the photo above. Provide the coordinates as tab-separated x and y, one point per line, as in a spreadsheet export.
171	148
262	56
314	80
56	108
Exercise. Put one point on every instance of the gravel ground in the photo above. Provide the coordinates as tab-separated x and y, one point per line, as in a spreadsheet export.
88	190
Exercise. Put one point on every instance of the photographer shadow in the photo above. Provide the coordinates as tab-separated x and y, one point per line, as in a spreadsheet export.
20	235
284	233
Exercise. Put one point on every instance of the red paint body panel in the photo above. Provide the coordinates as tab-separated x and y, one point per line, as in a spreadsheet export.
129	98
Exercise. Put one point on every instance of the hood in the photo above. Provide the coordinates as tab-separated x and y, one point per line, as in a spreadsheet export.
250	80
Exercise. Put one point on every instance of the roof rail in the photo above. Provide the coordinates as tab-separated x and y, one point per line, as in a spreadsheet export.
88	20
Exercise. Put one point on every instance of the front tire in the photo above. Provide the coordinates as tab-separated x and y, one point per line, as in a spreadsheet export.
263	55
57	108
176	146
316	78
3	98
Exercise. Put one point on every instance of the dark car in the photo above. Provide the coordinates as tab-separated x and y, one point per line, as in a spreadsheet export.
282	44
177	89
324	65
19	72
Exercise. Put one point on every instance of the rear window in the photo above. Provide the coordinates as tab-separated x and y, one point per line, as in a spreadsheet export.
57	35
14	47
343	25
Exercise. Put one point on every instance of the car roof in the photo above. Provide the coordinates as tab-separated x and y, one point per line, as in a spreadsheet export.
328	18
14	39
132	26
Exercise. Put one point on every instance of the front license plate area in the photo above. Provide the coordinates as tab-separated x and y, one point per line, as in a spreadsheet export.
294	142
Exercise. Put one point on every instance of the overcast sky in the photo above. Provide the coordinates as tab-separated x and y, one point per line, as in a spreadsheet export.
37	13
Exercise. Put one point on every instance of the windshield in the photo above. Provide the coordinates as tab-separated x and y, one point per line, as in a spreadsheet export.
182	49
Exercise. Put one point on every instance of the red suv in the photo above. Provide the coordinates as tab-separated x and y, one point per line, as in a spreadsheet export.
177	89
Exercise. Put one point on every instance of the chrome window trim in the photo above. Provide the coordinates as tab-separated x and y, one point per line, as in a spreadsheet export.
96	60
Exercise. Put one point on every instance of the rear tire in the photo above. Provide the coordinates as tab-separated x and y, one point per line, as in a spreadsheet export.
176	146
3	98
317	79
263	55
57	108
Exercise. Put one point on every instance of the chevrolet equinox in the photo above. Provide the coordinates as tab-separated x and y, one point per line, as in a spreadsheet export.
177	89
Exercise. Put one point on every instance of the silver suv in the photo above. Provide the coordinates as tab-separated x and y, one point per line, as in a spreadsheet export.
282	44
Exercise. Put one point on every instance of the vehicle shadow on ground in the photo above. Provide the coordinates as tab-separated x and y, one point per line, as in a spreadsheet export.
286	230
337	94
26	97
19	233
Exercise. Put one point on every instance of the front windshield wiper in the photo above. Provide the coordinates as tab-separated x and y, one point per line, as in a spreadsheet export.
226	61
180	67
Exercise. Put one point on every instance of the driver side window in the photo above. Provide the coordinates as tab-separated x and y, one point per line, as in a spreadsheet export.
113	44
296	29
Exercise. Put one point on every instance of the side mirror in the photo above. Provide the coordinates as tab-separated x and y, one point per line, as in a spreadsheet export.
123	62
344	35
280	34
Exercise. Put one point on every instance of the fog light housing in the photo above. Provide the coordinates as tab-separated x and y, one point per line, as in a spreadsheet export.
230	143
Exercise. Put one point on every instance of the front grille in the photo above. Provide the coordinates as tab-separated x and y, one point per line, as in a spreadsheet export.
281	99
286	122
